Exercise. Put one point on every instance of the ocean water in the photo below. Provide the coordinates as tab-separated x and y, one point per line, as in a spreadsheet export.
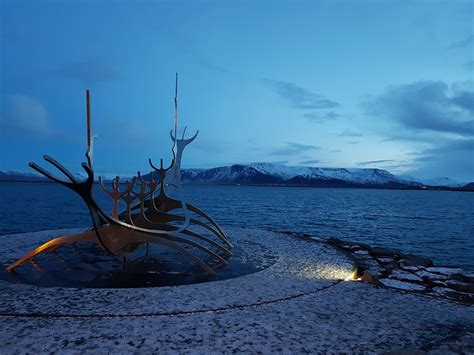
434	224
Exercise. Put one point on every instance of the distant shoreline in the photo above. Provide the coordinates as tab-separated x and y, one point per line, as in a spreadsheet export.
370	187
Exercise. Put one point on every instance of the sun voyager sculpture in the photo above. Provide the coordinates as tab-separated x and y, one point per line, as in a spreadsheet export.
155	213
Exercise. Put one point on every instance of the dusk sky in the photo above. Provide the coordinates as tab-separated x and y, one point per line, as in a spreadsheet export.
386	84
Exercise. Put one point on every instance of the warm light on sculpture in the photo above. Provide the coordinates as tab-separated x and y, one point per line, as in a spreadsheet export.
150	216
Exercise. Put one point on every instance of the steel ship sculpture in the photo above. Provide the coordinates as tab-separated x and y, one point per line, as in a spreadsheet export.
155	213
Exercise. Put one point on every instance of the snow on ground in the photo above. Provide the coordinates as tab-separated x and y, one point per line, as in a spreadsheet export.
297	305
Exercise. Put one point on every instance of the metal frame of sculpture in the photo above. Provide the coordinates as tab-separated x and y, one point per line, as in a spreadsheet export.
148	217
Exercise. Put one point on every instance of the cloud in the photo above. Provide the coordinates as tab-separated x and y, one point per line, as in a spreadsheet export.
298	97
292	148
24	115
319	118
375	162
454	158
465	42
89	71
350	133
428	106
452	147
309	162
276	162
426	158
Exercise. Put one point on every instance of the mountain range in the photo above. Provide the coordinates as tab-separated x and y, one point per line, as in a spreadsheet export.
276	174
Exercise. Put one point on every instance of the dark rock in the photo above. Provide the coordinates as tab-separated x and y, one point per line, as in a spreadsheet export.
376	251
466	277
445	270
367	277
414	260
352	246
334	241
461	297
461	286
391	266
407	351
437	283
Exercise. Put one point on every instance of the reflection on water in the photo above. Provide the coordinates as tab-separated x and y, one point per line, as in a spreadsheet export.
434	224
85	265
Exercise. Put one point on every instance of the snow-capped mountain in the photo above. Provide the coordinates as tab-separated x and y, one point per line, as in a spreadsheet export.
267	173
442	181
277	174
21	176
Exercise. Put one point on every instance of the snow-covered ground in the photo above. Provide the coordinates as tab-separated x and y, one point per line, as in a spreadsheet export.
300	304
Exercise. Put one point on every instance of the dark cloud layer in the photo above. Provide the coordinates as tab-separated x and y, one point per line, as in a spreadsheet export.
298	97
375	162
448	157
309	162
452	147
428	106
292	148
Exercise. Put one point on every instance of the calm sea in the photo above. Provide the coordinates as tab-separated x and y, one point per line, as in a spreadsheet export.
434	224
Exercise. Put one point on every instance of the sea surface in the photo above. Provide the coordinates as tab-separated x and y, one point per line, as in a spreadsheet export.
434	224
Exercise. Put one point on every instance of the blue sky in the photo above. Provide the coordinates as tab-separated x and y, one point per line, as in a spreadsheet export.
385	84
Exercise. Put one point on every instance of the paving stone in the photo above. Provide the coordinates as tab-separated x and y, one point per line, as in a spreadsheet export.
445	270
401	285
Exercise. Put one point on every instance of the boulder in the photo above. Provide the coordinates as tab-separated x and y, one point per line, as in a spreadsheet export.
415	260
361	252
467	277
445	270
431	276
402	285
367	277
461	286
347	245
404	275
376	251
407	351
411	268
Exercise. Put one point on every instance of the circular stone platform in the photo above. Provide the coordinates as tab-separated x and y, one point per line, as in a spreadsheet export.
302	267
297	305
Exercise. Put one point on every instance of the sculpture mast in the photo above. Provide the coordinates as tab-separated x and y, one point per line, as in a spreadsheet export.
175	110
89	141
88	120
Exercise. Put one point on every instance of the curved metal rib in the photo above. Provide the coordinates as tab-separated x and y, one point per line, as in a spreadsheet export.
54	243
166	227
202	264
167	217
60	167
185	141
97	212
48	174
